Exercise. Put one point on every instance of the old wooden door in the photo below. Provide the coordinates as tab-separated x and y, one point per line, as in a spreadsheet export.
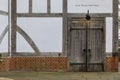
86	51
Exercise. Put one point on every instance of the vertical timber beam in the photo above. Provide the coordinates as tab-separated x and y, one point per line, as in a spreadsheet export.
30	6
65	41
115	26
48	6
13	25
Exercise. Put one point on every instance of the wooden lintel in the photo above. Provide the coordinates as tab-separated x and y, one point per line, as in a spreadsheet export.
91	14
39	15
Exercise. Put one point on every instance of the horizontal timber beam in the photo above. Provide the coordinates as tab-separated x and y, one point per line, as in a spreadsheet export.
61	15
39	15
91	14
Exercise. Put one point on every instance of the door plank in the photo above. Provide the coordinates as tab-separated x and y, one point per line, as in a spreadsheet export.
95	45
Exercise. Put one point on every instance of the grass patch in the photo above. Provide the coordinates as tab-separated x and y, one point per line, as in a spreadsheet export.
57	75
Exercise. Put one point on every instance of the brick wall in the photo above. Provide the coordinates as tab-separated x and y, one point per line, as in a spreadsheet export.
4	65
46	64
38	63
112	64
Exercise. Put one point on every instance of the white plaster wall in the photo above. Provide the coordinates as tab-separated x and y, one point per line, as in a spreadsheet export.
109	34
94	6
56	6
22	6
4	43
45	32
4	5
39	6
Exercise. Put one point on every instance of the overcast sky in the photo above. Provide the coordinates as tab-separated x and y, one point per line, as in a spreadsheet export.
47	32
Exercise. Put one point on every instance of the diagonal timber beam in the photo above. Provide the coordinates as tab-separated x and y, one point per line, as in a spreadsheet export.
28	39
3	34
3	13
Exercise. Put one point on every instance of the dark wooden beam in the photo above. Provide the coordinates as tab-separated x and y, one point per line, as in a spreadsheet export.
62	14
65	28
115	26
13	25
39	15
30	6
48	6
91	14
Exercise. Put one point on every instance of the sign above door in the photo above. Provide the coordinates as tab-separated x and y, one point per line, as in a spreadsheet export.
94	6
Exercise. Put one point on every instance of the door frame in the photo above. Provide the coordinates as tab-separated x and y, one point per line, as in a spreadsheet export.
70	19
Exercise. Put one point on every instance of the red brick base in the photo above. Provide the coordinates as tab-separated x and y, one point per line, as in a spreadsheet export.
112	64
46	64
34	64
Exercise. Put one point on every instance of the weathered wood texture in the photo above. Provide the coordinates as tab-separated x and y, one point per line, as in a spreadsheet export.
13	25
39	15
91	14
65	40
115	26
48	6
30	6
87	45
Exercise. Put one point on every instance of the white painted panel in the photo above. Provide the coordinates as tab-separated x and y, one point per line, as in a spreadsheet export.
22	6
4	43
4	5
39	6
22	42
3	23
56	6
45	32
109	34
94	6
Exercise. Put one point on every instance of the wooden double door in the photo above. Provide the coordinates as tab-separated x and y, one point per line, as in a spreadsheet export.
86	46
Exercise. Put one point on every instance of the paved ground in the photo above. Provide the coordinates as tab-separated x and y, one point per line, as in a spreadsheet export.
2	78
59	76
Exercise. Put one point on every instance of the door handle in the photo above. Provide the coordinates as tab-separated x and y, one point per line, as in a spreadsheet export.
89	50
84	50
